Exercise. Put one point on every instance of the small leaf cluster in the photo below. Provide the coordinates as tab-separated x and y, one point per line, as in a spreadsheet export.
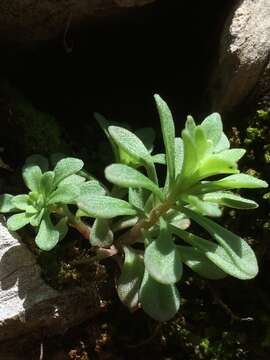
45	207
142	220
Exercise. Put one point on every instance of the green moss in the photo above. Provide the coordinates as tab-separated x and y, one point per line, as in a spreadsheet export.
39	132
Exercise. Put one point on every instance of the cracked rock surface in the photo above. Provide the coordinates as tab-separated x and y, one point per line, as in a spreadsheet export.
244	54
28	304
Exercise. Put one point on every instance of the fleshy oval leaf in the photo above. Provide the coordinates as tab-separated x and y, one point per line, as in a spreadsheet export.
159	301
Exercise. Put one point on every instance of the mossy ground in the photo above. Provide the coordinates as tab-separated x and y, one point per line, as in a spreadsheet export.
223	320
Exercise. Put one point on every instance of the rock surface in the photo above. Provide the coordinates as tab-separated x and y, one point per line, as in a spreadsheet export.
243	55
27	304
26	21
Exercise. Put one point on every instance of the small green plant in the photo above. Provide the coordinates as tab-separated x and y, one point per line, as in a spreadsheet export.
141	220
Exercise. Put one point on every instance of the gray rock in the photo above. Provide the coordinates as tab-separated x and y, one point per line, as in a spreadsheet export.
244	54
27	304
27	21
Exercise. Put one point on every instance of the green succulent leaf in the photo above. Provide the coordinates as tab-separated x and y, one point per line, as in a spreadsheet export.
65	168
199	263
134	147
232	154
125	176
105	207
213	252
91	188
6	204
46	183
190	163
240	253
32	176
215	165
162	258
66	194
130	280
130	143
238	181
62	227
203	145
101	234
190	126
230	200
223	144
177	219
159	159
72	180
47	236
212	126
159	301
168	132
204	207
23	202
137	198
36	219
179	155
17	221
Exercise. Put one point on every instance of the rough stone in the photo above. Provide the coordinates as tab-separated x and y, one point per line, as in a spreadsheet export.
28	304
27	21
244	54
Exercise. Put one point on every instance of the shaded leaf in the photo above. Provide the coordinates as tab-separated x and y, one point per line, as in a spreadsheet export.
159	301
129	282
6	204
17	221
47	237
39	161
199	263
240	253
22	202
101	235
168	133
162	258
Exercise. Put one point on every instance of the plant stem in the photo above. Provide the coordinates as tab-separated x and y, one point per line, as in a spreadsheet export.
134	234
74	221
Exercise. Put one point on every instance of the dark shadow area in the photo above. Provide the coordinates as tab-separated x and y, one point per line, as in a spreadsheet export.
117	65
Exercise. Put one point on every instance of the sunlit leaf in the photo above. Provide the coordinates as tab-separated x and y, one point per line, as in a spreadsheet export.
212	126
65	168
125	176
230	200
105	207
66	194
